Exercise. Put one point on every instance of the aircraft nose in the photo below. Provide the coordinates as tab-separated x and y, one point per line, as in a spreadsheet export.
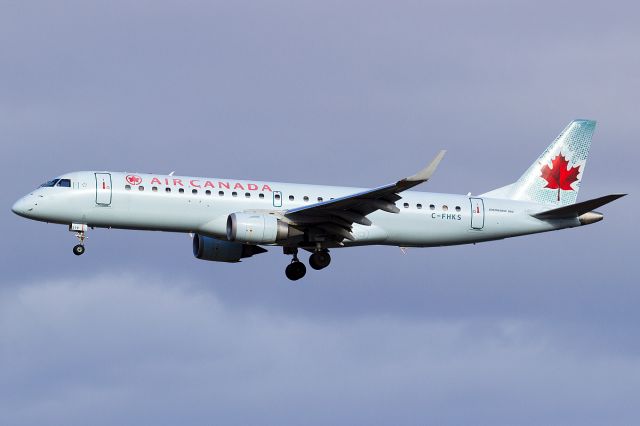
21	207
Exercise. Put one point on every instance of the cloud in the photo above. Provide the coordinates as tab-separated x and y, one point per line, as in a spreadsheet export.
134	349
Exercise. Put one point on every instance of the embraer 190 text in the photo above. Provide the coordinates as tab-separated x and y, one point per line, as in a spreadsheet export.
233	219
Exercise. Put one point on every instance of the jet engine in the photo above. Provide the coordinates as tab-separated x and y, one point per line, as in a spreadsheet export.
257	228
207	248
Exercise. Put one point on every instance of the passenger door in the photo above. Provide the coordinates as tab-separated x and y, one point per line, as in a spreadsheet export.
477	213
103	189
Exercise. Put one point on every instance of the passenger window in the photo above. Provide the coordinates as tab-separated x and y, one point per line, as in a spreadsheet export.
207	192
234	194
458	208
320	199
277	196
167	189
260	195
419	206
127	187
194	191
445	208
154	189
432	207
181	190
291	198
65	183
305	198
141	188
221	193
406	205
247	194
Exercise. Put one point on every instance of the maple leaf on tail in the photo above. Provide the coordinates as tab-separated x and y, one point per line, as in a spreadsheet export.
559	176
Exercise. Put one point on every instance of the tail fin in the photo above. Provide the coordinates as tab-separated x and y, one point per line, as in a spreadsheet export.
554	178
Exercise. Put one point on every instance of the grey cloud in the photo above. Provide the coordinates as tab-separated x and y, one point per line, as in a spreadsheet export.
127	349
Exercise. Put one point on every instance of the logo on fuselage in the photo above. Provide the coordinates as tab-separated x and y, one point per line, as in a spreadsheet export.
134	179
200	183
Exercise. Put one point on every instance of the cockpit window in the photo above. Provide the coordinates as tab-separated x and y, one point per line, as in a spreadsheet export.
64	183
49	183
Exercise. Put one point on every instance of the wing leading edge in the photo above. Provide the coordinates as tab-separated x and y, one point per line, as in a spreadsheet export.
336	217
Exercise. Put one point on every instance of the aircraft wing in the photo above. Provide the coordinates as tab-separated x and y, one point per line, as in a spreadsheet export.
336	217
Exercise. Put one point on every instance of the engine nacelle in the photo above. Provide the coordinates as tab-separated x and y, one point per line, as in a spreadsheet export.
207	248
256	228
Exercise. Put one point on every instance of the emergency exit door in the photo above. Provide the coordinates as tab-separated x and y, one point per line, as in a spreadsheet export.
477	213
103	189
277	199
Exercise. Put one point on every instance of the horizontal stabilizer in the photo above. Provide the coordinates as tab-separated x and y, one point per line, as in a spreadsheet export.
575	210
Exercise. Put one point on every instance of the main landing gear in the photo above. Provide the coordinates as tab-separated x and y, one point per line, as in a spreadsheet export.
319	259
296	269
81	235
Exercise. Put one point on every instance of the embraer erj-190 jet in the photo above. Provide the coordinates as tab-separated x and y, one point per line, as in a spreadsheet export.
231	219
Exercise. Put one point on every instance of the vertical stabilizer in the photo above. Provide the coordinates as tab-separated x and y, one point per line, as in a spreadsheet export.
554	178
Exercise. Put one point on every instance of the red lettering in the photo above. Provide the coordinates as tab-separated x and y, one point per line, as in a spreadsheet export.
194	182
156	180
166	181
266	188
209	184
238	186
223	185
177	182
252	187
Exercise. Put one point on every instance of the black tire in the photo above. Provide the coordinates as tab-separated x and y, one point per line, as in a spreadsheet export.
78	249
295	271
319	260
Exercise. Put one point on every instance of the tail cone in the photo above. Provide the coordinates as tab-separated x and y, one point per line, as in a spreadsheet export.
590	217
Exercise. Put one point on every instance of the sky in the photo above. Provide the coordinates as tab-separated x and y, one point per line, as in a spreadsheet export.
526	331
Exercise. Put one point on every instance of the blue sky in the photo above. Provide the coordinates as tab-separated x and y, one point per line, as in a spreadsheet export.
534	330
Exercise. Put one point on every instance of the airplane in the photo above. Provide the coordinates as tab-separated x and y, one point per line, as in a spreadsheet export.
231	220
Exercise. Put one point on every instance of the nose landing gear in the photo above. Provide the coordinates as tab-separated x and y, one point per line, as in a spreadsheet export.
80	232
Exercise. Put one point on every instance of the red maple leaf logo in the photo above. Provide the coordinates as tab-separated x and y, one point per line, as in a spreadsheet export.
134	180
559	175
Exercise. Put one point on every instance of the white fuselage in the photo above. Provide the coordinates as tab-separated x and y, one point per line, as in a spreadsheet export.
202	205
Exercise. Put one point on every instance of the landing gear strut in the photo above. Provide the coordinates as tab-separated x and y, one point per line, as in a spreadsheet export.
80	230
296	269
320	259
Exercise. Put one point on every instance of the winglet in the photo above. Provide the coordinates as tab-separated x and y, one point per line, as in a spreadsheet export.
424	174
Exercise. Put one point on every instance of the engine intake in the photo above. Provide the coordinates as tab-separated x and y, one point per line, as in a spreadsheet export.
207	248
256	228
